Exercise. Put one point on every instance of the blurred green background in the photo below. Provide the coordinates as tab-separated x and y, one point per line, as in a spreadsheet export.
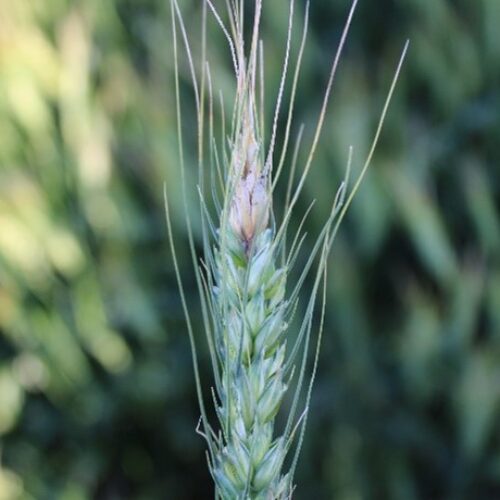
97	395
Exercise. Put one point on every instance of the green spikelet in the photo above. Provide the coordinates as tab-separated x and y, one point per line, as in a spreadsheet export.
252	350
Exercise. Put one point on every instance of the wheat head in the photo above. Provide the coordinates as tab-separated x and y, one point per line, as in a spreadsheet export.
247	302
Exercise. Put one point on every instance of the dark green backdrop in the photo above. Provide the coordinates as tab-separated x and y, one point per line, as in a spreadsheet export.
97	394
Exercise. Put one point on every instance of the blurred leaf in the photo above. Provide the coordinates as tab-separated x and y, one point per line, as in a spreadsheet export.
426	227
481	203
11	485
477	401
11	400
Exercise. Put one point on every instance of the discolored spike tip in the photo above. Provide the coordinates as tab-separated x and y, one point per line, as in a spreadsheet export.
250	205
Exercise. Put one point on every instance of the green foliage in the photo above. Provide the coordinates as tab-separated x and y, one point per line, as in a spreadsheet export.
97	398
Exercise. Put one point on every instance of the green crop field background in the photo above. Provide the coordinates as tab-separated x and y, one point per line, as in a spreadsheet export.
97	395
